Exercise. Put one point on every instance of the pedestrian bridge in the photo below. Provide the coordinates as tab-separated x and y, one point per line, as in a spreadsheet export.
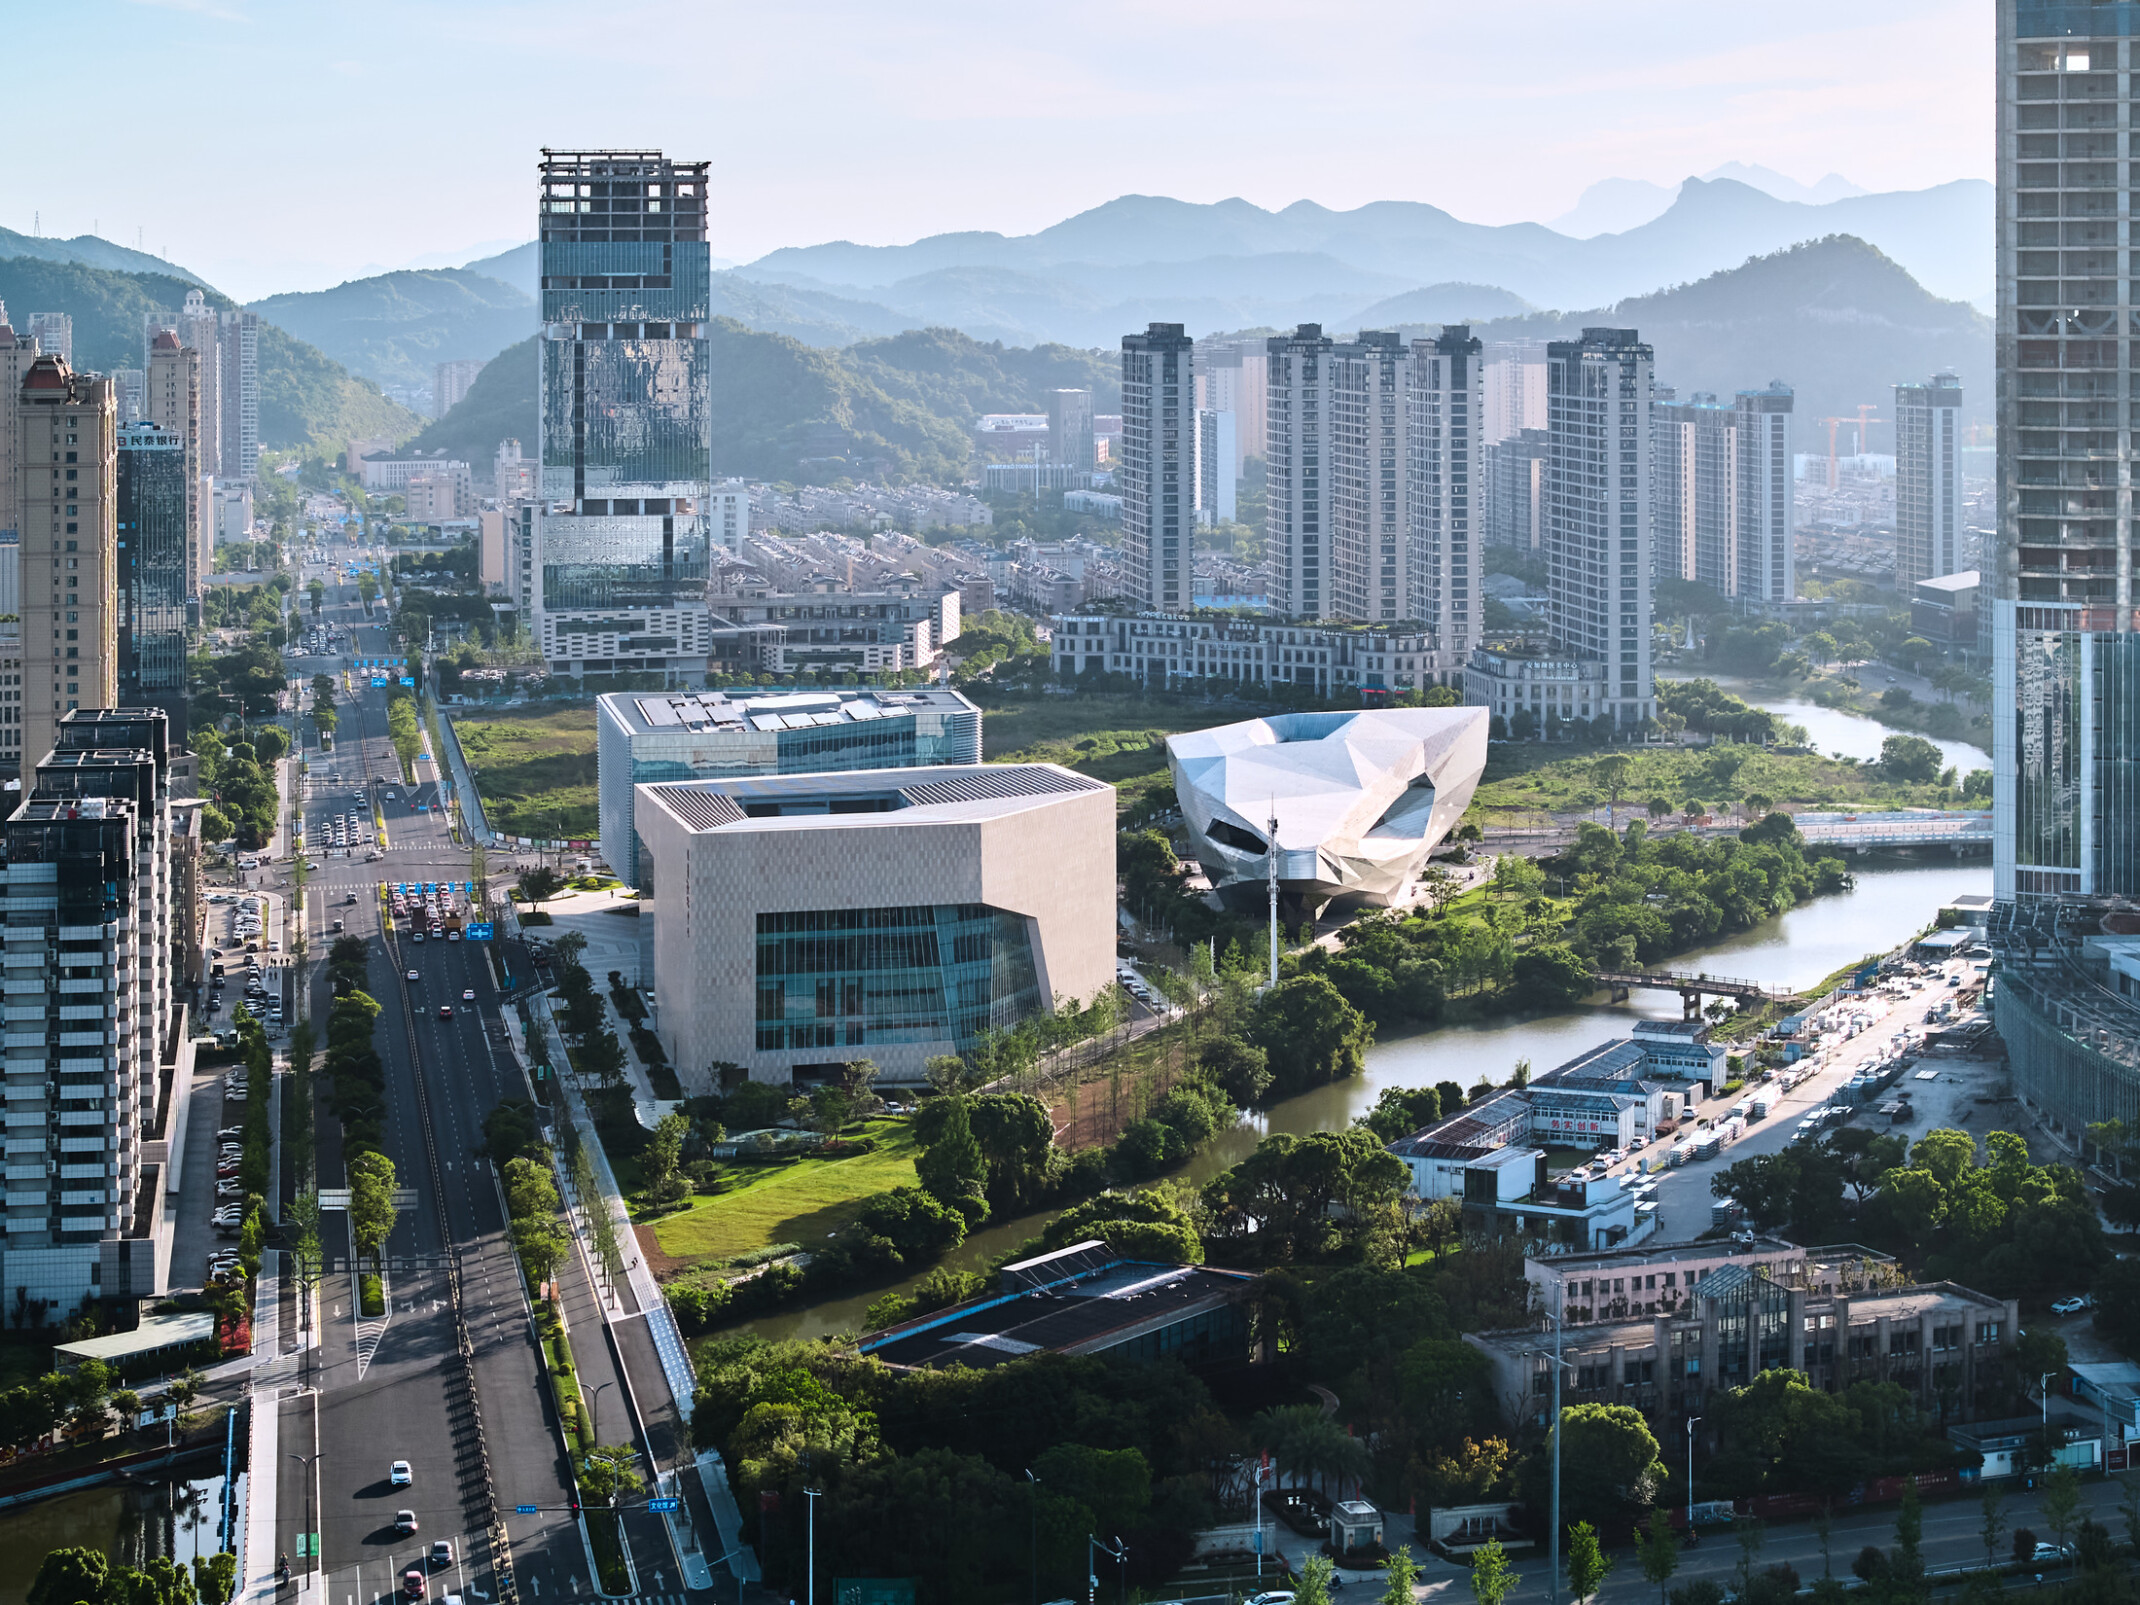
1692	988
1964	832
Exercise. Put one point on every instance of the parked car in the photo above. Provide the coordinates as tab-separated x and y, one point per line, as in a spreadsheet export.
405	1521
2070	1306
412	1584
442	1552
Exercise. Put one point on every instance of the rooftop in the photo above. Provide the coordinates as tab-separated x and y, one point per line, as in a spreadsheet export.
1083	1299
861	797
717	713
156	1332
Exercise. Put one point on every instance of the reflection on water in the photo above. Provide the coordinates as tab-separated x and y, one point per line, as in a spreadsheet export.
131	1523
1852	734
1892	899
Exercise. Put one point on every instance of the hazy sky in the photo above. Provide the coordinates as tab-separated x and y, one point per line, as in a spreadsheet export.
287	144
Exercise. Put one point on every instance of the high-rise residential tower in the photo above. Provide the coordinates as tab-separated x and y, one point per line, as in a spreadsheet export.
53	332
450	381
154	549
1762	487
1368	391
1514	388
1928	478
238	393
17	352
621	532
1217	490
68	468
1157	474
1230	377
1070	429
1296	520
200	330
172	401
1444	492
1597	523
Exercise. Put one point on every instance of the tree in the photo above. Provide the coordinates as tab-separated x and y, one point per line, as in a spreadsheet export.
540	1242
215	1576
1611	772
658	1161
1911	759
1399	1577
1609	1459
952	1168
1491	1579
1658	1545
71	1576
539	884
1994	1528
1311	1033
1587	1564
1313	1588
570	945
371	1203
608	1474
2061	1501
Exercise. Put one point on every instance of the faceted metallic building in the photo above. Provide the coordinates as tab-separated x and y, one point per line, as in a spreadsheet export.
2061	587
627	467
1360	800
154	525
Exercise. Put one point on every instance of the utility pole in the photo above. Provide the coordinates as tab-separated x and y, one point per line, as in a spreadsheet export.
1690	1474
1560	1308
1270	859
1033	1509
810	1595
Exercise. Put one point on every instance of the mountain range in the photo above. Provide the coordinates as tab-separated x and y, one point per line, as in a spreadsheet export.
1614	205
1835	318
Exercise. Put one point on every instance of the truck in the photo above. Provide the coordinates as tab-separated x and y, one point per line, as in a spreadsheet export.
1758	1106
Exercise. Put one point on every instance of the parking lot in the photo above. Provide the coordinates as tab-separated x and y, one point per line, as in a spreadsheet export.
194	1237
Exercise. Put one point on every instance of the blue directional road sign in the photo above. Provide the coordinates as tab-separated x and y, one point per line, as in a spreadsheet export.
405	680
527	1510
478	932
378	681
661	1506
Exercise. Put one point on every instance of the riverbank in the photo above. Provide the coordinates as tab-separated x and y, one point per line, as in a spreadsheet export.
1893	897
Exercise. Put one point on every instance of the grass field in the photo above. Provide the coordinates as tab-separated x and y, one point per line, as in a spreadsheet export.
535	768
1111	736
798	1203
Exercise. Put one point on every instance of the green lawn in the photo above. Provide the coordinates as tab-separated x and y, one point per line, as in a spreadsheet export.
798	1203
1117	737
535	767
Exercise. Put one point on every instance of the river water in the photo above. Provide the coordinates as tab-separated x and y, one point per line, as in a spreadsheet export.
130	1522
1851	734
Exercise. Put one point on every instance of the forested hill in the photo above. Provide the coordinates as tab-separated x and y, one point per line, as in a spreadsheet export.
907	400
305	397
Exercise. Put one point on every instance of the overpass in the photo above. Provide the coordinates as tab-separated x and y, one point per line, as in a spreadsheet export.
1692	988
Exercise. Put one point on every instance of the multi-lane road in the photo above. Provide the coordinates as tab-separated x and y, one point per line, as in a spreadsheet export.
396	1388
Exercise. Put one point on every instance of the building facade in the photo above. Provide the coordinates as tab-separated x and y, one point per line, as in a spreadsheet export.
642	738
450	381
68	469
153	547
173	403
1217	487
1928	478
238	394
1693	469
200	330
1070	429
54	334
1765	566
1157	473
1514	482
1230	377
1368	386
837	632
93	1066
622	527
17	352
890	914
1198	648
1296	520
1441	486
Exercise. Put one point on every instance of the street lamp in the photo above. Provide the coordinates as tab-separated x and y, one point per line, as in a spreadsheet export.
1034	1510
1690	1474
594	1406
310	1463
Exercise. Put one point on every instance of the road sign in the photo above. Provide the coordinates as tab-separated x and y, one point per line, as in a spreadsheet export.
481	931
405	680
334	1198
662	1506
378	682
527	1510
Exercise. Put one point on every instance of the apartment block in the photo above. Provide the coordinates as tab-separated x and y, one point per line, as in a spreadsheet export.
1070	429
1369	382
153	544
238	394
173	403
1928	479
68	468
1297	537
450	382
1157	474
1212	649
1443	492
54	333
17	353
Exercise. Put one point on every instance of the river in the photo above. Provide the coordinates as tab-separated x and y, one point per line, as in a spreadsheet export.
1851	734
130	1522
1892	899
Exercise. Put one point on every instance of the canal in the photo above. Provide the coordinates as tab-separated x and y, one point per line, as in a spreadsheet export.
131	1522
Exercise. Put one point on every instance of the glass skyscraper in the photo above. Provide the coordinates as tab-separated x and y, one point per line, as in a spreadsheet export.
153	530
626	454
2065	613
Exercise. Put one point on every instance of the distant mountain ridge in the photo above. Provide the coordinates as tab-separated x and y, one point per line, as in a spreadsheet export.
1613	205
92	251
1087	279
396	327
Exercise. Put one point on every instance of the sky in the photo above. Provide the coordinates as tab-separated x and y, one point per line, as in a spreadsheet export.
288	146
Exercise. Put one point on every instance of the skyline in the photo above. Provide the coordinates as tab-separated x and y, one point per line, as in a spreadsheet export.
820	126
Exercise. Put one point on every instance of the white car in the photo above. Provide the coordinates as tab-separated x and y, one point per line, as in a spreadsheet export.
2070	1306
469	996
412	975
398	1475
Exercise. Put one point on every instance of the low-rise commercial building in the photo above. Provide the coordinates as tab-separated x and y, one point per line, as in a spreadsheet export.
1944	611
1835	1315
645	737
836	632
801	922
1176	649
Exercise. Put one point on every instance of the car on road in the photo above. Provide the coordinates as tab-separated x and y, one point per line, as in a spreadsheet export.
1275	1597
398	1475
468	995
2052	1552
442	1552
445	1011
2071	1306
412	975
405	1522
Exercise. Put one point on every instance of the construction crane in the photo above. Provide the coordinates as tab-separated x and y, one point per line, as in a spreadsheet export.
1864	418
